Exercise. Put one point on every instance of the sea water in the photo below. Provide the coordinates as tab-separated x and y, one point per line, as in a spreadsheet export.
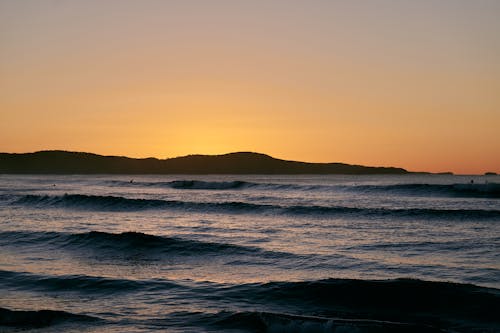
177	253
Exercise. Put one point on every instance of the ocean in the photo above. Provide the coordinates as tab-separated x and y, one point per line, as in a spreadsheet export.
248	253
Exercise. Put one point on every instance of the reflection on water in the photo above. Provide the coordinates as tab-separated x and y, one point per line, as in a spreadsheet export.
199	254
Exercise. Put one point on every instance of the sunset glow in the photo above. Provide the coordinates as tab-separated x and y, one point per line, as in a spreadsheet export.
412	84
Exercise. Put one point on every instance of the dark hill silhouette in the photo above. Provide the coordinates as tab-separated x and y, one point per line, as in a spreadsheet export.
64	162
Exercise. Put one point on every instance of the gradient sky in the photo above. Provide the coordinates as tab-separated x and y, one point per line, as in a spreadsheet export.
414	84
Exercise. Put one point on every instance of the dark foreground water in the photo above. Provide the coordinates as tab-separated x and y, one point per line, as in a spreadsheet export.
249	254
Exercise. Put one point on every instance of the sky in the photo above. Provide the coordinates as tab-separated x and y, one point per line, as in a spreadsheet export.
412	84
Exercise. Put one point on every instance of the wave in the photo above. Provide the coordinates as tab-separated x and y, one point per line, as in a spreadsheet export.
486	190
306	306
400	300
80	283
129	242
428	245
282	322
203	185
116	203
365	292
427	213
474	190
189	184
337	305
40	318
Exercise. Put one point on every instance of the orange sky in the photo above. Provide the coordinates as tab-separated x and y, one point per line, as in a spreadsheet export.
414	84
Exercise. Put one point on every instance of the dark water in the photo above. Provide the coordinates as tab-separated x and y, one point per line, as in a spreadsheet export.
249	254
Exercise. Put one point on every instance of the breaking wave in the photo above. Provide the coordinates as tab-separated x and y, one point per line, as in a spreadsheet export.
118	203
189	184
479	190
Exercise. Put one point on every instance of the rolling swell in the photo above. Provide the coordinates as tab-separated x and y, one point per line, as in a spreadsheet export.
40	318
203	185
114	203
309	306
189	184
468	190
127	242
80	283
486	190
281	322
213	185
401	300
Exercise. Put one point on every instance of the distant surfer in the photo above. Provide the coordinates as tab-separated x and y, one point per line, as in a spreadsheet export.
131	181
472	181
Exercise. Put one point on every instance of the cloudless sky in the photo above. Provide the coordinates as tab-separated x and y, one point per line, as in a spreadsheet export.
413	84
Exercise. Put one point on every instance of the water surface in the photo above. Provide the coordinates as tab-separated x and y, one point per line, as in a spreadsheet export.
249	253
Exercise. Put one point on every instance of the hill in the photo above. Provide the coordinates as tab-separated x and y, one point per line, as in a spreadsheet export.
64	162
